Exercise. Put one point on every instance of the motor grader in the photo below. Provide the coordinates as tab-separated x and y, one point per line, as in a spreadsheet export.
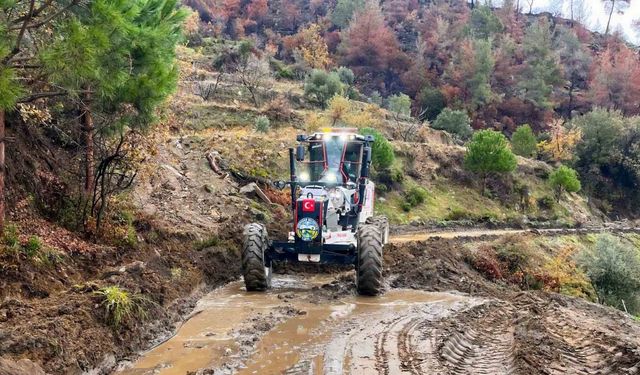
332	200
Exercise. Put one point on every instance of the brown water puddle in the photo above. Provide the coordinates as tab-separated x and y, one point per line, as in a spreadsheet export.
305	337
207	340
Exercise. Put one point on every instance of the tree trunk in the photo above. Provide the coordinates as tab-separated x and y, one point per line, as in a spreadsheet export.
2	171
89	130
570	101
613	6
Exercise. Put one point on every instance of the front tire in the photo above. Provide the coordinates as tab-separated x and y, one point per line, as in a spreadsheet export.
383	224
369	262
257	274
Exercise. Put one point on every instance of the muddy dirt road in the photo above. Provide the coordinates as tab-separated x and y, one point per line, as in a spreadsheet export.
303	325
315	324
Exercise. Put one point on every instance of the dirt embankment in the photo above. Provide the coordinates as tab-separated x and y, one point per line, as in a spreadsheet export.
52	316
511	332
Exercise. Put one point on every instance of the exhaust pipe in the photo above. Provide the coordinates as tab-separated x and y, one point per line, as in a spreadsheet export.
292	168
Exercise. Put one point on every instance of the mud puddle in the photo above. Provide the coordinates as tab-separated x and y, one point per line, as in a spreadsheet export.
296	327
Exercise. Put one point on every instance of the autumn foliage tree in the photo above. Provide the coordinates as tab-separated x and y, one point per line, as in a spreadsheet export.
369	46
561	142
309	45
615	80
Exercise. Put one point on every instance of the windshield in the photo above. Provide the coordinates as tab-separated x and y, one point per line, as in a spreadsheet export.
334	160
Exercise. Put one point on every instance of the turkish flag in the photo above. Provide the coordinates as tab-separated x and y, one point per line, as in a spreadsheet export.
308	205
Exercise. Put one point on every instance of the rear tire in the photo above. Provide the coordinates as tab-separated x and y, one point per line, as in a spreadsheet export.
257	274
369	262
383	224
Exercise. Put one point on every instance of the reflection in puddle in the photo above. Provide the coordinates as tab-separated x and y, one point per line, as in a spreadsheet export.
206	339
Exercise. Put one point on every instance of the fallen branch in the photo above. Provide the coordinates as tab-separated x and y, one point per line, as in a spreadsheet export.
211	158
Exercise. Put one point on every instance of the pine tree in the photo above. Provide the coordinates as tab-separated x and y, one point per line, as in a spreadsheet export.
344	10
616	80
484	23
25	28
123	53
564	179
524	142
541	72
480	85
369	46
576	62
489	152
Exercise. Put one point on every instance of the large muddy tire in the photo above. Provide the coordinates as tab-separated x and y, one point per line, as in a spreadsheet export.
369	262
383	224
257	274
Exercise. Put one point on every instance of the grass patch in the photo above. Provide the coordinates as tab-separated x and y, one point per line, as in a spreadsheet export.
414	197
120	306
208	116
10	236
176	273
49	257
33	247
208	242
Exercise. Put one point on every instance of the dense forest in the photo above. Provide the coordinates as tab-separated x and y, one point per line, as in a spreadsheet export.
501	68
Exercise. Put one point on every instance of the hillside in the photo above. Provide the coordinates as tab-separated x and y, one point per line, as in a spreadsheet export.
131	174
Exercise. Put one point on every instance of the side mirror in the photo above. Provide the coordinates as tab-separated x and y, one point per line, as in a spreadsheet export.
300	153
367	154
280	185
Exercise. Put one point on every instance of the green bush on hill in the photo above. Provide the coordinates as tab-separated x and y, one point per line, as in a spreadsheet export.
320	86
489	152
262	124
382	151
614	270
455	122
414	197
564	179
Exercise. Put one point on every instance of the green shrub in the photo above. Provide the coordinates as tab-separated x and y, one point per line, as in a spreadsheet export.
32	247
346	75
376	98
546	202
320	86
564	179
383	155
49	257
614	270
489	152
262	124
524	142
399	105
457	214
414	197
120	306
431	103
454	122
10	237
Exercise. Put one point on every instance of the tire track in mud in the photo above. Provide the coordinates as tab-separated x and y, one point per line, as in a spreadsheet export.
405	343
487	346
585	348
